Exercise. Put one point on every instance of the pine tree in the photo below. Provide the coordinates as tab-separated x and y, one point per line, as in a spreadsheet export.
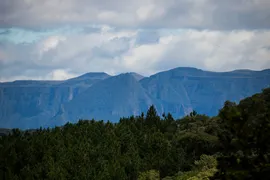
152	118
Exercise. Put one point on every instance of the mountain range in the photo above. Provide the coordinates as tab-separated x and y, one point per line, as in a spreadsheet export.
31	104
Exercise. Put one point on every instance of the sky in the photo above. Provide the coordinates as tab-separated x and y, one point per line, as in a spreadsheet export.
60	39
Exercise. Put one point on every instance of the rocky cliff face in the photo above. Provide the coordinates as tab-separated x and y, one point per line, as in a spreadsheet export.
182	90
115	97
31	104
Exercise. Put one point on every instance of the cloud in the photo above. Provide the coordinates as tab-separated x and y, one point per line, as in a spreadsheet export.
199	14
218	51
115	51
57	39
60	74
51	43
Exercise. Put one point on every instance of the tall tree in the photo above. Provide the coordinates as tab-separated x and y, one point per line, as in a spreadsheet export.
152	118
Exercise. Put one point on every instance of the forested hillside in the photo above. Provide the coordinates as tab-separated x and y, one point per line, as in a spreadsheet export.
233	145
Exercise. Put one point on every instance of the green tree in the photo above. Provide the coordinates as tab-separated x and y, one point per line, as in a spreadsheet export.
152	119
149	175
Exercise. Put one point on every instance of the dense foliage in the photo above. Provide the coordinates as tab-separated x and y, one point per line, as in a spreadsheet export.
233	145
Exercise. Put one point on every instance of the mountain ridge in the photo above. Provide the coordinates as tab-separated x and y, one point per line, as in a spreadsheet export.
267	71
30	104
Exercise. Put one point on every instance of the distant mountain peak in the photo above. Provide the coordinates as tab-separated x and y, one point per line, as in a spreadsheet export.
187	68
180	71
93	74
87	79
31	104
137	76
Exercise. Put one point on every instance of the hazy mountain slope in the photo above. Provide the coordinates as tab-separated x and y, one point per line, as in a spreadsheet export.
87	79
137	76
184	89
110	99
30	104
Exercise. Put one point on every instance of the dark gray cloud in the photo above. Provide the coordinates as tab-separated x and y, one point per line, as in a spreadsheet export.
199	14
245	14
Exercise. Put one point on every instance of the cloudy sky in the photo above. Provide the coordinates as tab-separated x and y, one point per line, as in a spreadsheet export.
58	39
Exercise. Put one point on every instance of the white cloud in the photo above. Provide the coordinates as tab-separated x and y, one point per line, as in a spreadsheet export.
60	74
51	43
107	16
209	50
150	11
58	39
115	51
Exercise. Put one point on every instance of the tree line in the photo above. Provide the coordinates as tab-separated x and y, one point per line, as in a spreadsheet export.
232	145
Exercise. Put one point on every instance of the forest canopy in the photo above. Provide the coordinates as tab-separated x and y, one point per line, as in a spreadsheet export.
232	145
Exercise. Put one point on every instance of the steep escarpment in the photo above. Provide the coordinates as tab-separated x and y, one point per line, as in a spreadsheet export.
31	104
110	99
182	90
